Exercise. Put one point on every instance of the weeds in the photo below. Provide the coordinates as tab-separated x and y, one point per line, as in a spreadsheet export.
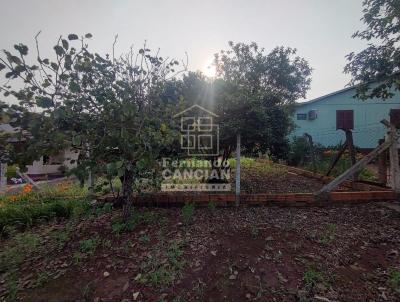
329	234
106	208
254	232
211	206
312	277
187	213
119	226
394	280
24	214
12	287
78	257
89	246
144	238
22	245
42	279
163	270
61	238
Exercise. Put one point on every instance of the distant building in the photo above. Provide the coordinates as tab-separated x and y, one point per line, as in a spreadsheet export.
322	116
45	165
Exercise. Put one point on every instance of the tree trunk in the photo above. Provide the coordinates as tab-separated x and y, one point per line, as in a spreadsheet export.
127	194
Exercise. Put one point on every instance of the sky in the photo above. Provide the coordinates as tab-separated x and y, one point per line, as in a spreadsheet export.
319	29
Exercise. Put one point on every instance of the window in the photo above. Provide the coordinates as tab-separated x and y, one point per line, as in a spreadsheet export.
344	119
312	114
301	116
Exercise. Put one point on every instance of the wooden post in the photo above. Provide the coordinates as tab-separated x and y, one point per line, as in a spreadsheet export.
382	165
237	176
354	169
310	141
3	177
336	159
91	182
394	160
350	145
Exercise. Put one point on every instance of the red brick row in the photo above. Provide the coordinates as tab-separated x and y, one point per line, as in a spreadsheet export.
169	199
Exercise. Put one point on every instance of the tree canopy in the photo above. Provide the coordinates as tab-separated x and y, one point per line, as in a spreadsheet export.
255	93
380	61
114	112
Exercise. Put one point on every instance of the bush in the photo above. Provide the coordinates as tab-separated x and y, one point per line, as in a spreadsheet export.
299	151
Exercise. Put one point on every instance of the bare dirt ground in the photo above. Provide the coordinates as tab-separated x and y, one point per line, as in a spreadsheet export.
347	253
268	178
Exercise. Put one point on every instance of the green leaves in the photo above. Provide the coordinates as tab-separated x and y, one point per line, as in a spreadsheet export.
76	140
115	168
54	65
59	50
65	44
74	87
72	37
44	102
15	60
22	49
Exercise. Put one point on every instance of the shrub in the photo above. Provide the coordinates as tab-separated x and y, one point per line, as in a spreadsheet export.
299	151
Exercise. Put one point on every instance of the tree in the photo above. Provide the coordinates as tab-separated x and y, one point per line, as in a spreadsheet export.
380	61
254	94
113	111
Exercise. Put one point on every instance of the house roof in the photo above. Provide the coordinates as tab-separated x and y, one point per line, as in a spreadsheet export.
193	107
325	96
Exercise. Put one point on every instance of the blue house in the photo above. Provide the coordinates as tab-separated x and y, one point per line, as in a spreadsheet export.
319	118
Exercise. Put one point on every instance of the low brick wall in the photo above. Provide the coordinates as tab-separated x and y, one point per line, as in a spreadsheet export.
285	199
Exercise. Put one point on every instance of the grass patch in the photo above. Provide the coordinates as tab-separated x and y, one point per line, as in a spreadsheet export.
119	226
21	247
165	269
329	234
187	213
394	280
89	246
322	166
24	214
61	238
42	279
312	277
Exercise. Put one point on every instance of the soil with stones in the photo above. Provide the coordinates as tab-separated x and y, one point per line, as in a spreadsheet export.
346	253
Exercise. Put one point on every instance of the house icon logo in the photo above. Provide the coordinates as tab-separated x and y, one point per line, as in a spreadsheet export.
199	134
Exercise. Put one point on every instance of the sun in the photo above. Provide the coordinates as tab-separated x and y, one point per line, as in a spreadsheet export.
209	69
